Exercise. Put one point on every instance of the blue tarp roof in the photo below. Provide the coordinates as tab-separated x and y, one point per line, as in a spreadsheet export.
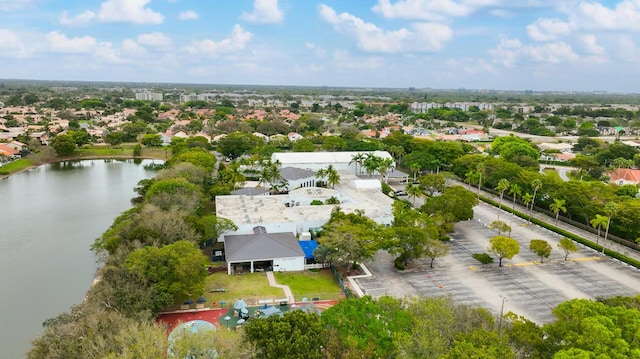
308	247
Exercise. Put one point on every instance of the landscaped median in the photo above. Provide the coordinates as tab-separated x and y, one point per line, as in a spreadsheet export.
570	235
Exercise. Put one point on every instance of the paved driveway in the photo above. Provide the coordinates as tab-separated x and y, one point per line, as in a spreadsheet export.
529	288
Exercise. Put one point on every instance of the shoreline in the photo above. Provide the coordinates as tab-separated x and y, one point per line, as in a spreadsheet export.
79	158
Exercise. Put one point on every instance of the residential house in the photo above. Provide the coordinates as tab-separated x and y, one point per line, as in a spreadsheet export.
623	176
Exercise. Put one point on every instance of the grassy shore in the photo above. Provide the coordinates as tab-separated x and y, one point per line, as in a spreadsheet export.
45	154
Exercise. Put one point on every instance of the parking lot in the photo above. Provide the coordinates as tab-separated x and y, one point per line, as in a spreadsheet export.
523	285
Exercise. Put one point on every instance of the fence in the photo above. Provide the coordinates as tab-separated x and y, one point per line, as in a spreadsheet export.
338	277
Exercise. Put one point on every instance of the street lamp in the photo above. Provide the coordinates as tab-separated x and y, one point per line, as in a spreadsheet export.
504	299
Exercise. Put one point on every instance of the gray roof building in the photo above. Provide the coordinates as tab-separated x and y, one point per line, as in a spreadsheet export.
250	191
294	173
261	246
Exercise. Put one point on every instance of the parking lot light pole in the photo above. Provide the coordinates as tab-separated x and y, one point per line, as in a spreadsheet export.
504	299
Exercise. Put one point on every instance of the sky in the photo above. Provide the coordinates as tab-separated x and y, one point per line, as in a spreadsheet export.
539	45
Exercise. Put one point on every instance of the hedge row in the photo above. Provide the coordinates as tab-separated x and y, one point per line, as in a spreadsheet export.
572	236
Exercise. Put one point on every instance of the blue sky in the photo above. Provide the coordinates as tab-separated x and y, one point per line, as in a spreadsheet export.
558	45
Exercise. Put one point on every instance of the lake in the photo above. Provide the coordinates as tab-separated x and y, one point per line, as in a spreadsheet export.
50	217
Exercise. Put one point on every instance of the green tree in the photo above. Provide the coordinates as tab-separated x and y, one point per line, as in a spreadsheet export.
415	168
64	145
303	145
481	344
358	159
503	247
137	150
557	206
237	144
503	185
413	191
432	183
536	184
113	138
567	246
455	201
177	269
598	222
371	327
435	249
500	226
515	191
611	209
152	140
293	335
541	248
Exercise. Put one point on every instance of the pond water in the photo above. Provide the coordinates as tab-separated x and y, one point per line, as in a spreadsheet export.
50	217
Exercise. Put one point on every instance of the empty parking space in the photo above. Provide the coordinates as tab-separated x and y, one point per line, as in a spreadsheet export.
528	287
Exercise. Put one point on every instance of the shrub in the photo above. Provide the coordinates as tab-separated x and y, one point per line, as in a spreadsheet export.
316	202
386	188
399	263
483	258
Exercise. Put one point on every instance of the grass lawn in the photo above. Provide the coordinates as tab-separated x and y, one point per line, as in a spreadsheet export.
16	166
251	287
104	151
310	284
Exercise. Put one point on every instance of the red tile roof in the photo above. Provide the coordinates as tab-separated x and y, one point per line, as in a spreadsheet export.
625	174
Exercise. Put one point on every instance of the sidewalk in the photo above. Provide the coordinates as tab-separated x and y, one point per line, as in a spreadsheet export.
610	245
287	291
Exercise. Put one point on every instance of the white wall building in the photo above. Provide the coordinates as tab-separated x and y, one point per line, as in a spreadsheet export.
341	161
149	96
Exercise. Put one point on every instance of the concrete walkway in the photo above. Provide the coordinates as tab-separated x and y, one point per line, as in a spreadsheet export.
287	291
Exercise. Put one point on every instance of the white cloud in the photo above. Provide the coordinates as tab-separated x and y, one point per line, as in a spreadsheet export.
264	12
549	29
627	50
625	16
344	59
131	47
590	44
235	41
511	53
426	37
188	15
131	11
317	50
155	40
59	42
104	51
429	9
80	19
11	45
505	14
10	5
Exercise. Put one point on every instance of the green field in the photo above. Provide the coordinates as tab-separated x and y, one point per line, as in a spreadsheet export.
310	284
251	287
16	166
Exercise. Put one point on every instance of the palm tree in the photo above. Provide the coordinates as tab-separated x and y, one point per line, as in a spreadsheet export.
557	206
527	198
515	191
236	177
371	164
413	191
536	184
611	209
598	222
480	170
384	167
358	159
503	185
333	178
415	167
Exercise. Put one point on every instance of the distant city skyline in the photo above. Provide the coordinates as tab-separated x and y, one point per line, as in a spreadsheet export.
539	45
